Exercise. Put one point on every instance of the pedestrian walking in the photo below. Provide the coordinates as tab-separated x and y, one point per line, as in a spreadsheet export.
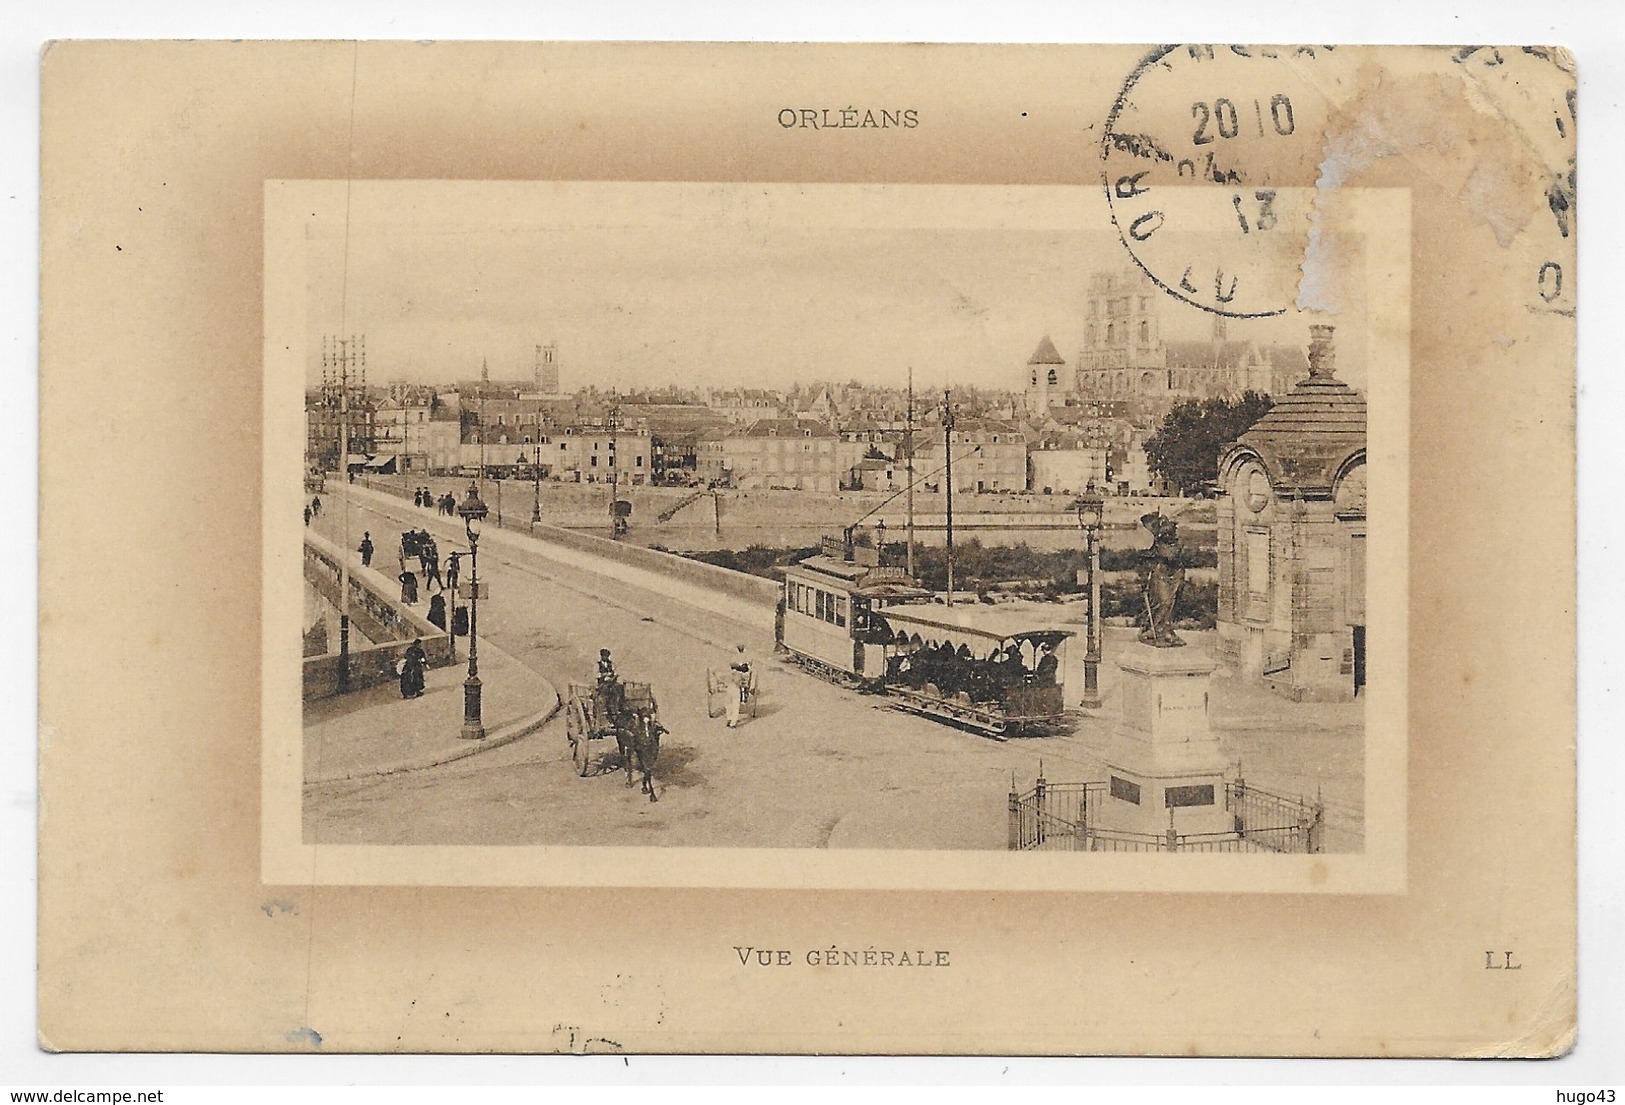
437	611
739	676
365	549
417	496
426	551
409	588
307	515
411	670
453	565
316	506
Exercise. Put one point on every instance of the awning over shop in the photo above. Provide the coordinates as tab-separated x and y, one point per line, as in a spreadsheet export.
372	462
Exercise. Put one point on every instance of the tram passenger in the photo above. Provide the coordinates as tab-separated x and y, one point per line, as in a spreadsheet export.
1049	664
990	678
964	666
934	664
1009	670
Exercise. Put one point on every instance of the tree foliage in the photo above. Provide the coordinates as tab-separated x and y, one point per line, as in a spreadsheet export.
1185	449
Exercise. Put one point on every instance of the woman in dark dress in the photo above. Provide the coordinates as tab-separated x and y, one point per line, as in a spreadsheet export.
412	665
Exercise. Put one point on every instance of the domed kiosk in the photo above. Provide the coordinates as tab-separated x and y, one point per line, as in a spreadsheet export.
1291	532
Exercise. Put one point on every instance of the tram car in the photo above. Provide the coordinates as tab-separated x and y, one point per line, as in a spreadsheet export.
853	621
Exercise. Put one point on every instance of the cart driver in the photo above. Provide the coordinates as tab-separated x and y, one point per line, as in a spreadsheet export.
606	668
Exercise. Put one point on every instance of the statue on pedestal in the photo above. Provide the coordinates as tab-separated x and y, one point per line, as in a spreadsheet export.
1162	573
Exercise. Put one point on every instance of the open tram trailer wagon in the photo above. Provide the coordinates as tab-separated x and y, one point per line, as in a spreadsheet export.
853	621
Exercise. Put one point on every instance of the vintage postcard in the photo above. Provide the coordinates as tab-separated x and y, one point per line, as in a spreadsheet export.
699	548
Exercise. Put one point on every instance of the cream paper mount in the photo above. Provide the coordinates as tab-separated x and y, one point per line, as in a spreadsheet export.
779	286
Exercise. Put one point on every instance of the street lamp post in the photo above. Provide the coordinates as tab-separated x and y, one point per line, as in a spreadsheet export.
536	480
1091	519
473	510
948	448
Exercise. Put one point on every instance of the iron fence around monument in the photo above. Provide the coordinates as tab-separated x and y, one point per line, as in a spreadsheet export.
1069	817
1052	817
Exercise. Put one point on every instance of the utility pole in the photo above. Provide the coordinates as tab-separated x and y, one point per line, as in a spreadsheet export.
614	474
342	357
948	447
536	453
908	447
479	418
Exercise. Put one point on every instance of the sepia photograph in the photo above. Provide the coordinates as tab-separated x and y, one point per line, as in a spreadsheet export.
734	516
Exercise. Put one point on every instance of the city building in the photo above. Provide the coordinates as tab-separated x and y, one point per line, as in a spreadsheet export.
988	455
745	405
401	427
1047	380
547	369
1128	358
325	419
594	454
795	453
1068	462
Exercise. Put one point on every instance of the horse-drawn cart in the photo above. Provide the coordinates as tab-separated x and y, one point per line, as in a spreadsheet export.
625	713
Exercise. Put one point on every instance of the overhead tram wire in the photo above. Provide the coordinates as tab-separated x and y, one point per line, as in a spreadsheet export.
909	489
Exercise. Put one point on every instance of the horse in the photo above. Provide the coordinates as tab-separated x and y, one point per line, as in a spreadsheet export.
640	740
637	731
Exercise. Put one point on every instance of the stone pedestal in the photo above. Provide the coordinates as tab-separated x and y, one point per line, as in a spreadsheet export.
1163	755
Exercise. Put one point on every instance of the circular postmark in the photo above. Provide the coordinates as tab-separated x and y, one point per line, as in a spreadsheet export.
1536	84
1209	160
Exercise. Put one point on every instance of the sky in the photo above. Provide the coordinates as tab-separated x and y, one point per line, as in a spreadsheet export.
720	285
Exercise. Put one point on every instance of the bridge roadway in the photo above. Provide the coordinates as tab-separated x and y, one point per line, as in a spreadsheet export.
819	767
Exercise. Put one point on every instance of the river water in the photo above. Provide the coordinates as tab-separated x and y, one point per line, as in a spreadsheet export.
705	538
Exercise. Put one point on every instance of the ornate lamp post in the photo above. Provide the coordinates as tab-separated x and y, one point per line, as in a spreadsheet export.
614	475
1091	518
536	479
473	510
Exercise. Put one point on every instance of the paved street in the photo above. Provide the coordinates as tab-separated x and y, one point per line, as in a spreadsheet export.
866	776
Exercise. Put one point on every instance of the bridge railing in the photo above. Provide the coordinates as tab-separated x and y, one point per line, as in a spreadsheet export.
752	589
376	614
